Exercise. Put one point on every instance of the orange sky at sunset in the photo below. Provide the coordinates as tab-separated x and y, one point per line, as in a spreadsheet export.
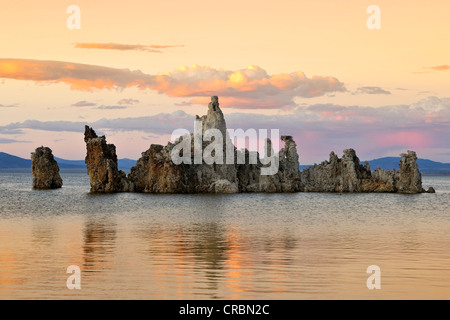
136	70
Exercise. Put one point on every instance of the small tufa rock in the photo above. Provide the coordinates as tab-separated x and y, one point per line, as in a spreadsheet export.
45	169
410	179
431	190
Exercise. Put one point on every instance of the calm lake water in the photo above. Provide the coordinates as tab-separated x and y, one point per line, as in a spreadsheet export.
243	246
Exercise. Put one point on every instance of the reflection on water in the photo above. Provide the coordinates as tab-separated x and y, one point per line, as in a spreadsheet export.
220	262
42	235
98	244
295	246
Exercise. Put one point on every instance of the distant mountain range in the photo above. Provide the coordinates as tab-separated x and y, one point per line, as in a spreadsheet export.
8	161
425	166
389	163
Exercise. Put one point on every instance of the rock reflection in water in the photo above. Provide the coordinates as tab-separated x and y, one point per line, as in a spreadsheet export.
98	244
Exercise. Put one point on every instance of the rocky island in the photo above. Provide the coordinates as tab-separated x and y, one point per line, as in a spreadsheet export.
348	175
155	171
45	169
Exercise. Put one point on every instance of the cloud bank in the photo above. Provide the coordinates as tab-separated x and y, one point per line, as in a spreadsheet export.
440	68
112	107
371	90
10	141
423	126
128	101
84	104
251	87
125	47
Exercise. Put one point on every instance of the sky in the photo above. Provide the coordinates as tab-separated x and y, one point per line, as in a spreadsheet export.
137	70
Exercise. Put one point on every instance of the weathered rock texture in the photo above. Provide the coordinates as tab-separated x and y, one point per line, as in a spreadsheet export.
155	172
45	169
348	175
101	161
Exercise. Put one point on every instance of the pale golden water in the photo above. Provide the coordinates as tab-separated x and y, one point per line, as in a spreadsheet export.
245	246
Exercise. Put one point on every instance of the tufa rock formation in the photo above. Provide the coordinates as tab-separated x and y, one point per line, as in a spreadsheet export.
340	175
101	161
348	175
431	190
45	169
410	179
155	171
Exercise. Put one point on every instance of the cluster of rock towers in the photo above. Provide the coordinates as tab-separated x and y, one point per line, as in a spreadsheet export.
155	171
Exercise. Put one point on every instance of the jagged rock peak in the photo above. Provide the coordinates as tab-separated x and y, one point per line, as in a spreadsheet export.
410	180
348	175
156	172
214	118
45	169
214	104
89	133
101	162
350	154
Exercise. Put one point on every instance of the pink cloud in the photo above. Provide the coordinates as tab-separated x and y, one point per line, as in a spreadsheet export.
387	130
250	88
128	101
403	138
125	47
440	68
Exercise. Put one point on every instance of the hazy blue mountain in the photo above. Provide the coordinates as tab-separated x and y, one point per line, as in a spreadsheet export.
126	164
8	161
425	166
70	164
